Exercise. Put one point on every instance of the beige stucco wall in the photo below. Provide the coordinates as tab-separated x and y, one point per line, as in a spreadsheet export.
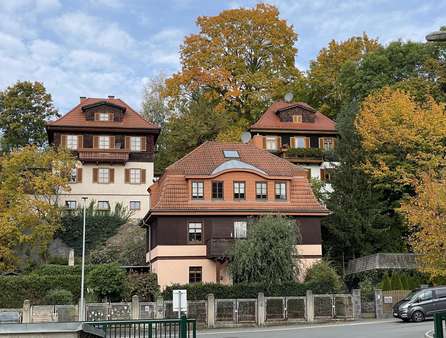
176	250
309	249
112	192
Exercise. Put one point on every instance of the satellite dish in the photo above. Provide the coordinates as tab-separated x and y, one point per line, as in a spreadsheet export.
288	97
246	137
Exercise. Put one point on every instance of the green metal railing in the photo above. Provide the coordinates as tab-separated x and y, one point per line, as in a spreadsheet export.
165	328
438	324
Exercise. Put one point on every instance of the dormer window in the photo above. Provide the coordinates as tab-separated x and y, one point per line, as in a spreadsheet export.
103	116
297	118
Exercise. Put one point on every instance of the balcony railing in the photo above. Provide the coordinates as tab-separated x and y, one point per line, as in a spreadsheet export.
219	247
104	155
309	154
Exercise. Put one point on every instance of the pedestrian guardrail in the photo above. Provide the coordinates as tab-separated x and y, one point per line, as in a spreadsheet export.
439	318
165	328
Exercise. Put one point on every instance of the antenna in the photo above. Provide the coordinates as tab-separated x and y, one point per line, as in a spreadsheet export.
288	97
246	137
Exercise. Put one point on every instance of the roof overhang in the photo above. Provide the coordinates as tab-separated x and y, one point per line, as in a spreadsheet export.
103	103
292	131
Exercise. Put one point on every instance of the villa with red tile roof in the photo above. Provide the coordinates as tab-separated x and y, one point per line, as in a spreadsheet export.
203	202
300	134
114	146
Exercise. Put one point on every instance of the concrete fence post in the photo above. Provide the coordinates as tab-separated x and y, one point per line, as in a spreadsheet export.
26	312
211	311
309	306
356	302
135	307
379	304
261	309
159	314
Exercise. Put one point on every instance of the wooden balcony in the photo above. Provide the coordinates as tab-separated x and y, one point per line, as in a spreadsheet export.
308	155
218	248
103	155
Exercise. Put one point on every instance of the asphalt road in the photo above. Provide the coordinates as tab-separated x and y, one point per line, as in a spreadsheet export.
363	329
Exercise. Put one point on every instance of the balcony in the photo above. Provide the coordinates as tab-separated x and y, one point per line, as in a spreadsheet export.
103	155
309	155
218	248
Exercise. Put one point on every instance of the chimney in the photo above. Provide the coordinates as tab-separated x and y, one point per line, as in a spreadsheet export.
111	96
257	141
82	98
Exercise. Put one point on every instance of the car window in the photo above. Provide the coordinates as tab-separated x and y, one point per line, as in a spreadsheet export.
425	295
441	293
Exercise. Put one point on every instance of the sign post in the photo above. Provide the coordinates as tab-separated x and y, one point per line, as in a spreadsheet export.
179	301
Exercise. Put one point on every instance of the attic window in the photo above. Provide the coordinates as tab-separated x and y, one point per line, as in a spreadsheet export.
231	154
297	118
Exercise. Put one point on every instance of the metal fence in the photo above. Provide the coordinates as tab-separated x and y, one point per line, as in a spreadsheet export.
235	311
333	306
108	311
285	308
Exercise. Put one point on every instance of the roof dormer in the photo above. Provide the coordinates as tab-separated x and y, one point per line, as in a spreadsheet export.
297	113
104	111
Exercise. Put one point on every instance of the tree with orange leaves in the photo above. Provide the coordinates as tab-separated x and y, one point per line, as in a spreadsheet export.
241	59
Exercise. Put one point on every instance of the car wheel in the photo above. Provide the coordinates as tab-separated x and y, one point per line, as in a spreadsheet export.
418	316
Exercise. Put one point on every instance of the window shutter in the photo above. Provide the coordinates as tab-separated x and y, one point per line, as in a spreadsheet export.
264	142
143	175
63	140
321	142
292	142
279	142
307	142
95	142
308	174
112	142
95	175
322	174
111	175
127	176
80	142
79	175
144	143
127	142
334	142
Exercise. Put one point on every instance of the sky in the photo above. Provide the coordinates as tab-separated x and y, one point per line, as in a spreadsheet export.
97	48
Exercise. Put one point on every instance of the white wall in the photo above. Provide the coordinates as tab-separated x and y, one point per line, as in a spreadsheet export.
112	192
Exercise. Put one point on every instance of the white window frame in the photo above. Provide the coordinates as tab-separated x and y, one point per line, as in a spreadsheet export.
328	143
197	190
240	229
72	142
101	205
135	176
133	203
297	117
262	189
103	116
103	175
135	143
104	142
71	204
271	143
194	228
73	175
239	188
296	142
280	189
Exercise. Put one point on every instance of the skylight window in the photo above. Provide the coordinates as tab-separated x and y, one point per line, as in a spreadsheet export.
231	153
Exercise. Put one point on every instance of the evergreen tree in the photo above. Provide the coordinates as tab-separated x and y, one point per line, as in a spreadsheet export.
386	283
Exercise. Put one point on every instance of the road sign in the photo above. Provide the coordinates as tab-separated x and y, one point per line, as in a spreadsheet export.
179	301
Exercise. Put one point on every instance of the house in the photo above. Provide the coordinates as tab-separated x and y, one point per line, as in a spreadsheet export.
203	202
114	146
300	134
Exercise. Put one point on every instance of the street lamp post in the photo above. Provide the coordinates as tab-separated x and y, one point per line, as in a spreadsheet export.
82	302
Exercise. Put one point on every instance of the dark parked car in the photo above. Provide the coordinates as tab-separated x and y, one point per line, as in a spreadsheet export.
421	303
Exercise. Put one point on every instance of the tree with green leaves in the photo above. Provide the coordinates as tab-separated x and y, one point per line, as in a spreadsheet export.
268	254
25	107
107	281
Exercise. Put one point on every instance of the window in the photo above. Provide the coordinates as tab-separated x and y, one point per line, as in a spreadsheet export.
197	190
195	232
441	293
104	142
281	191
426	295
261	191
195	273
70	204
299	142
240	229
231	153
73	175
271	142
239	190
217	190
328	143
135	205
326	175
135	176
103	175
72	142
135	143
297	118
103	205
104	117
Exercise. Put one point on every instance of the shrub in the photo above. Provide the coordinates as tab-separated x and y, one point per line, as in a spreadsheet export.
322	278
305	152
145	285
107	281
395	282
59	296
386	284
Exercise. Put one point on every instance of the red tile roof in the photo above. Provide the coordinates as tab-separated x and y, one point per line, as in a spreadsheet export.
270	119
76	117
170	195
